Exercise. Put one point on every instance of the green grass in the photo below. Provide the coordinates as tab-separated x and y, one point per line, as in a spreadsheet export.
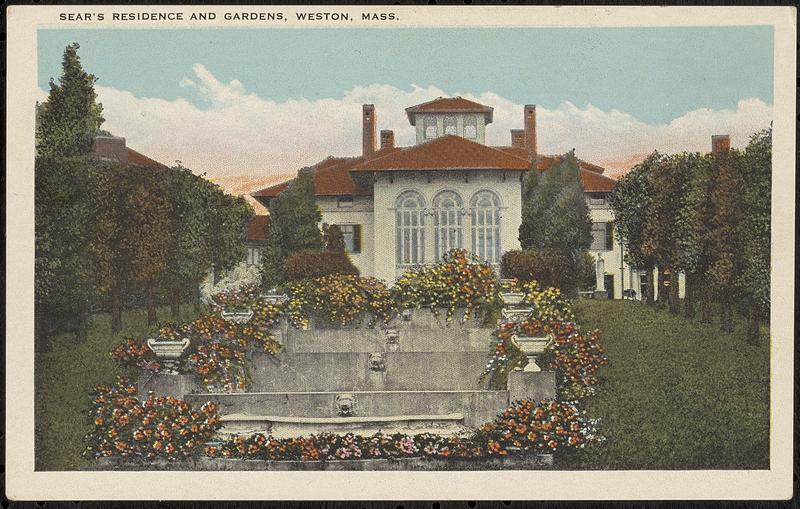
678	394
64	377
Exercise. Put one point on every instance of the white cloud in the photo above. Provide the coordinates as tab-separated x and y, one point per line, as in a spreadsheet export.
237	132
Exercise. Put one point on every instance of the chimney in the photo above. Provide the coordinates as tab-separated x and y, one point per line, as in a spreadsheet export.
518	138
368	133
109	147
387	139
720	143
530	130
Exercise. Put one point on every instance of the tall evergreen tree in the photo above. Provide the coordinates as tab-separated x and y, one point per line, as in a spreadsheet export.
294	226
554	211
71	116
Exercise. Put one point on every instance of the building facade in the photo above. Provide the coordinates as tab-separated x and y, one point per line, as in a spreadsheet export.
400	207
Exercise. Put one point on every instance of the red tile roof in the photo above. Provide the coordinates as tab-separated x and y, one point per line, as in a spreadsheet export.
137	159
257	228
592	180
445	153
449	104
332	176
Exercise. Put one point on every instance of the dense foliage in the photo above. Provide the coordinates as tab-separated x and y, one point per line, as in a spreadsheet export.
315	264
109	234
708	217
294	216
339	300
550	268
156	427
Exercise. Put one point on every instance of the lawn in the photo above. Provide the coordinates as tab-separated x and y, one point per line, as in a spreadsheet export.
64	377
678	394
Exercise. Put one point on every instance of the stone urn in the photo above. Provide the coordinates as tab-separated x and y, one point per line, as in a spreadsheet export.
532	346
274	298
238	316
168	352
512	298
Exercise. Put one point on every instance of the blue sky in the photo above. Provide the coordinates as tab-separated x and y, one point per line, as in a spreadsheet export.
654	74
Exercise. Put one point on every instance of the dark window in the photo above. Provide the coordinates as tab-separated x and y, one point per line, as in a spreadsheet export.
602	236
352	237
345	201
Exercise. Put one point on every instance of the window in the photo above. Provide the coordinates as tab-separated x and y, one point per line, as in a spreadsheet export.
447	222
410	229
597	199
352	237
345	201
471	127
430	127
450	125
486	226
253	256
602	237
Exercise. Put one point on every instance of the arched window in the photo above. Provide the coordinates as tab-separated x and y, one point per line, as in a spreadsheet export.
450	125
486	226
447	222
410	226
470	127
430	127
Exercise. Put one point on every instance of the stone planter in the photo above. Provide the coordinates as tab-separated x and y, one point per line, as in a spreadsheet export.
239	317
274	298
168	352
517	314
512	298
532	346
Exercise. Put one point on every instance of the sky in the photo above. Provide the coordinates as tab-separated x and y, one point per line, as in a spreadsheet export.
267	101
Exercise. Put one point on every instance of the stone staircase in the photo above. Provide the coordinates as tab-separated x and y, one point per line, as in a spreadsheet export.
413	375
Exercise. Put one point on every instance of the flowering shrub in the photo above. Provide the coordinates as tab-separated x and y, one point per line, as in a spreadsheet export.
217	348
576	357
236	299
543	428
505	357
455	283
548	304
135	353
523	428
339	300
155	427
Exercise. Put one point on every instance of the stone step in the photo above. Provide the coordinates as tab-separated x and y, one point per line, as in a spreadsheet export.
289	427
362	371
478	406
397	338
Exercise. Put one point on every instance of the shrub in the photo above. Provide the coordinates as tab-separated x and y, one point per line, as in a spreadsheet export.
548	304
455	283
550	268
316	264
339	300
166	427
575	356
543	428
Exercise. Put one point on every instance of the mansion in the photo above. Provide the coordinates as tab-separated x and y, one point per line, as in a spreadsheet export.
404	206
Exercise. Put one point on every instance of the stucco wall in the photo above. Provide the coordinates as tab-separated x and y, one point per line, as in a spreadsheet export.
387	188
359	213
420	125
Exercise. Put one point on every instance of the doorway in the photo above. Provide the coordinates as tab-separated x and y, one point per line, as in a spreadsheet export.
608	280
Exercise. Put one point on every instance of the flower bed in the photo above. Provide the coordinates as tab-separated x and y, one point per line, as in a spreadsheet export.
156	427
339	300
456	283
524	428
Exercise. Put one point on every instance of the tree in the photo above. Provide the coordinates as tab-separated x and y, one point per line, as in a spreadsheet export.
630	201
146	235
726	186
294	219
64	268
71	116
189	249
753	282
555	215
227	219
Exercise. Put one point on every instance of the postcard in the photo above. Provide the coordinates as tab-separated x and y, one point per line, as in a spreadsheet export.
407	252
